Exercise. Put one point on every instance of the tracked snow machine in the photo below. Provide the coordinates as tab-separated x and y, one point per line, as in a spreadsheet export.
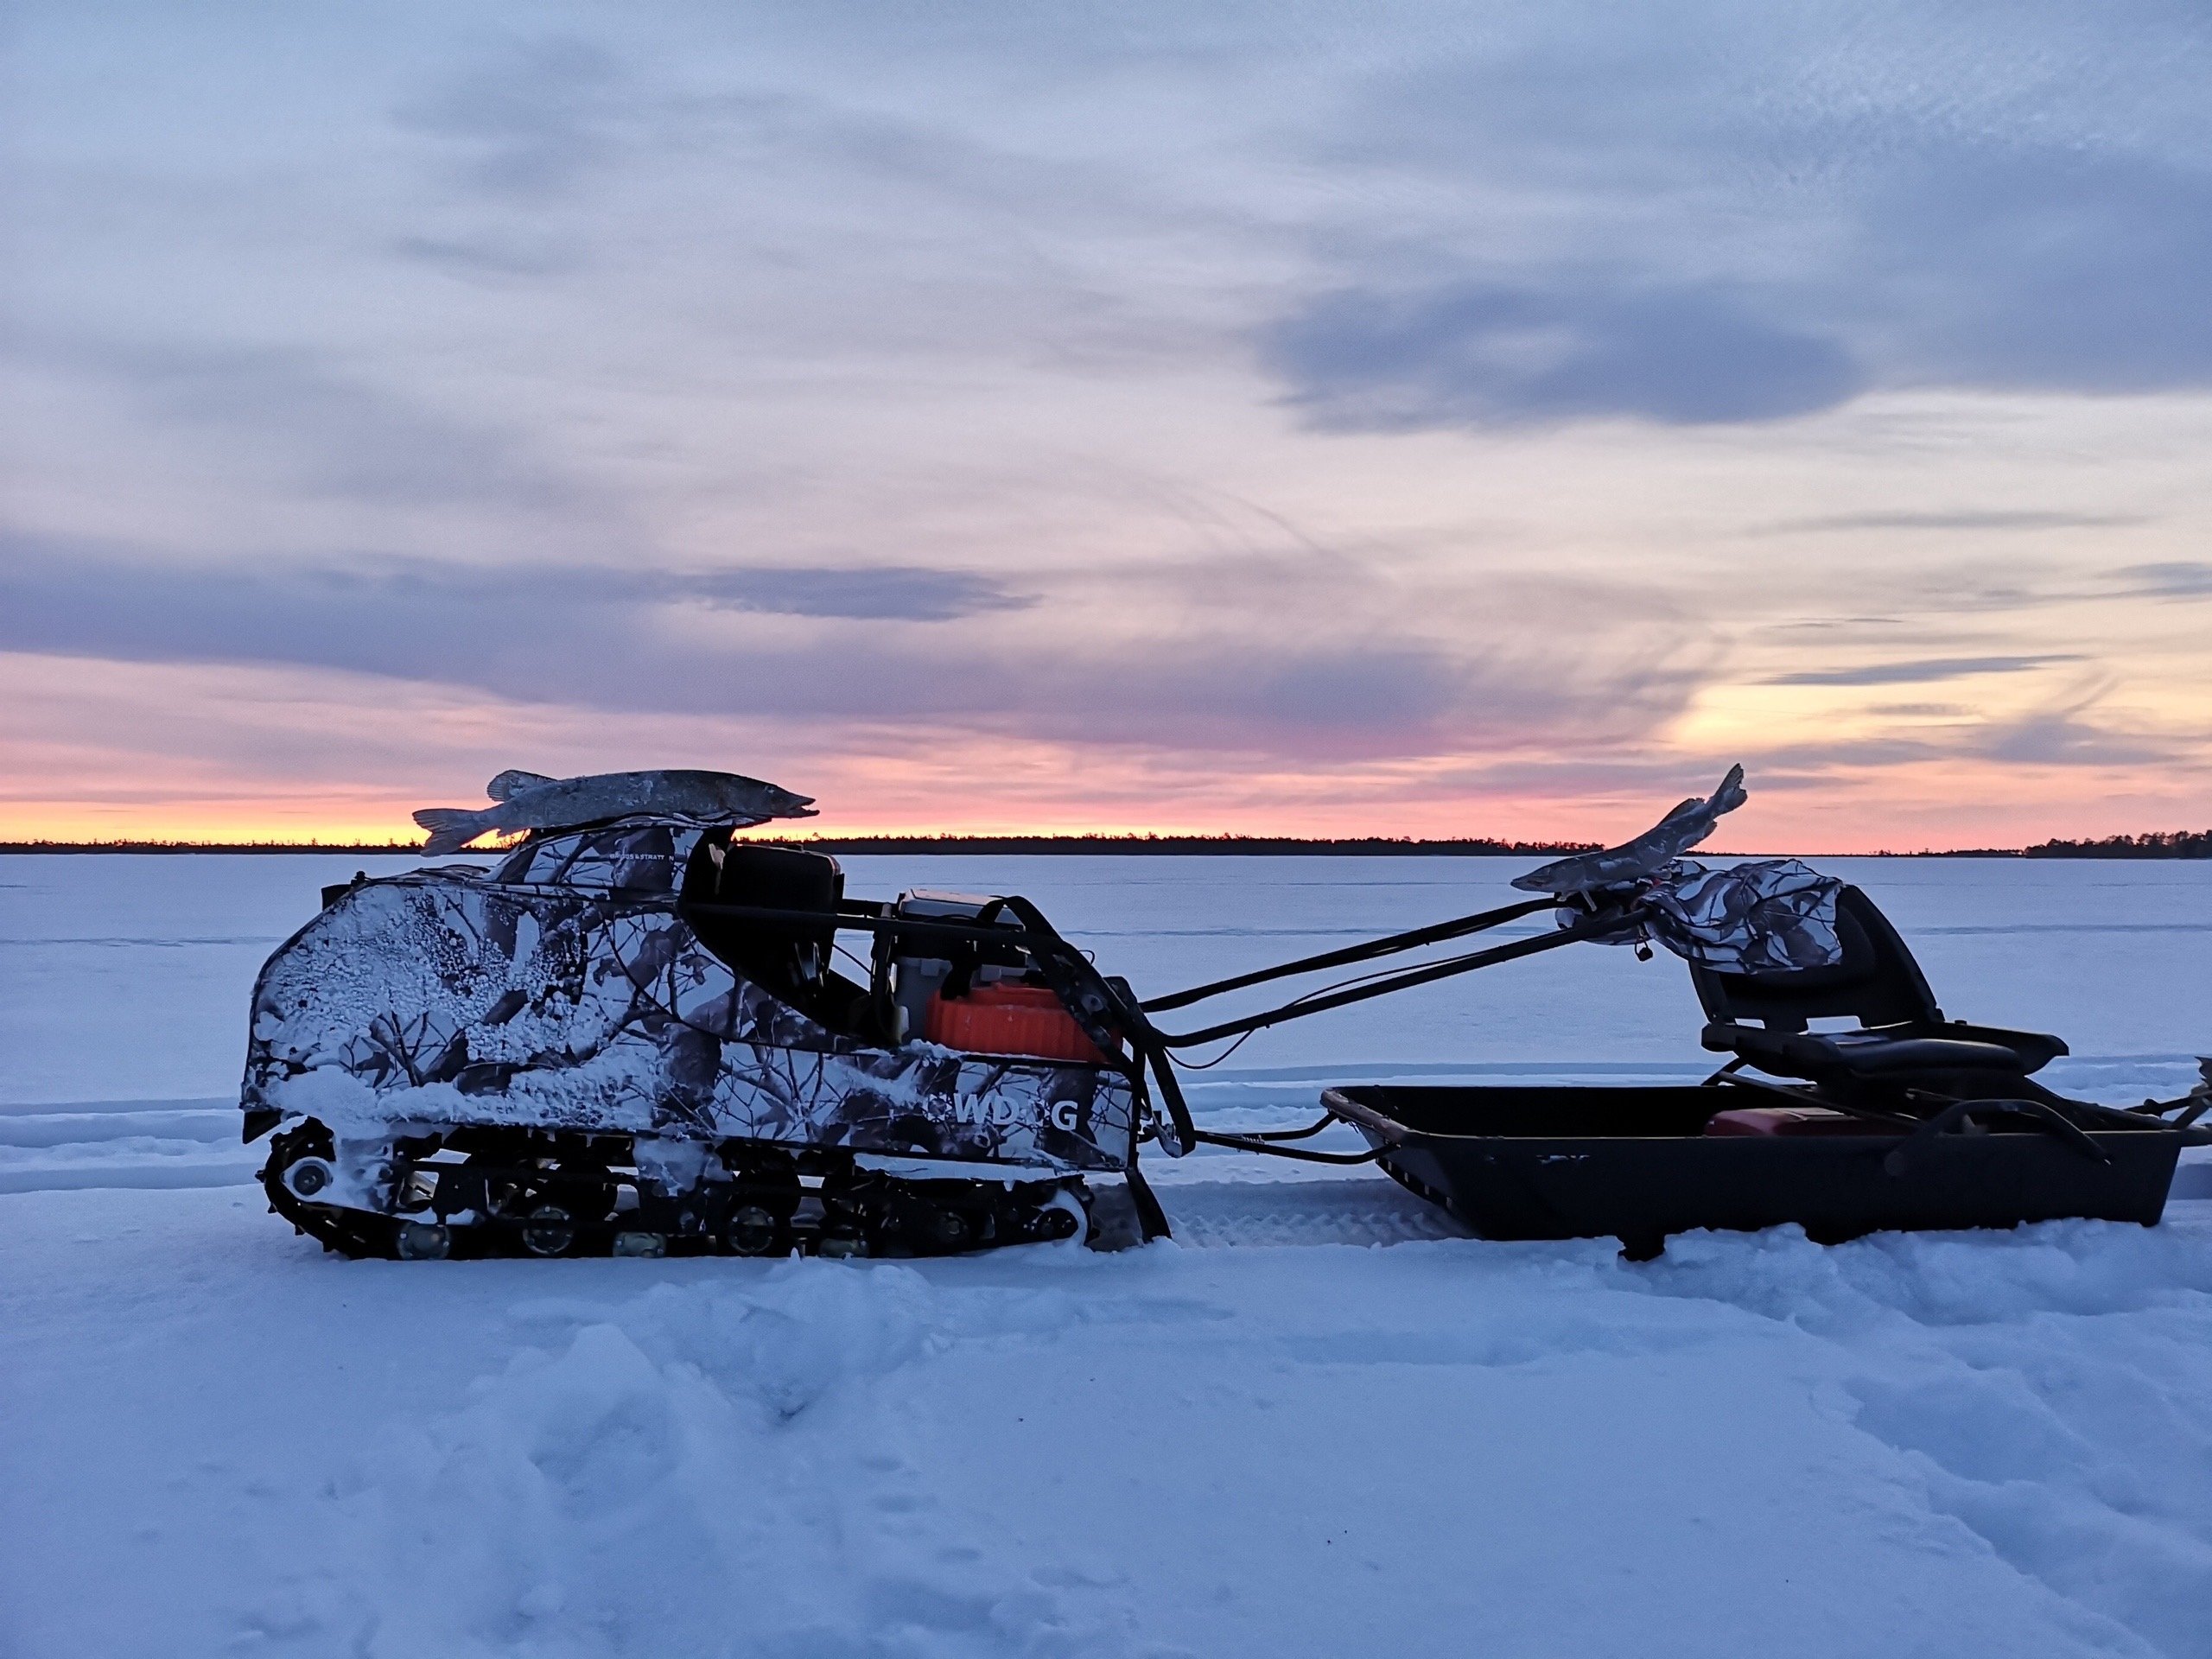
629	1037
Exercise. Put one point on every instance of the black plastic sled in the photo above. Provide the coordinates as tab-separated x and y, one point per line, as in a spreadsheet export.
1901	1120
1639	1164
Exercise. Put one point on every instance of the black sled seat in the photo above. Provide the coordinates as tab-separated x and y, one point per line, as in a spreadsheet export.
1901	1037
1900	1121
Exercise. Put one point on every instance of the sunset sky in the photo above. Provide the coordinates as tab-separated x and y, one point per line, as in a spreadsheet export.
1436	420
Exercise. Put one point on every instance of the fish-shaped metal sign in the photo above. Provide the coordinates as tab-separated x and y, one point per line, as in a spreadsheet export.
528	800
1657	846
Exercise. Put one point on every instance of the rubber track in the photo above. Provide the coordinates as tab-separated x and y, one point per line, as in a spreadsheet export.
361	1235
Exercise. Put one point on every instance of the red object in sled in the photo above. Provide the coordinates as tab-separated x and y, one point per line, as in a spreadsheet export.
1027	1020
1791	1121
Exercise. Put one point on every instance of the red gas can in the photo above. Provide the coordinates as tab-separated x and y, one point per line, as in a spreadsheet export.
1010	1019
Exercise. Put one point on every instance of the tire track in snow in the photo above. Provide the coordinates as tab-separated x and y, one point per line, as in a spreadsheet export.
124	1143
1214	1199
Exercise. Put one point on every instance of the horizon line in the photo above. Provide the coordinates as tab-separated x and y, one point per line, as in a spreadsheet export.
2152	843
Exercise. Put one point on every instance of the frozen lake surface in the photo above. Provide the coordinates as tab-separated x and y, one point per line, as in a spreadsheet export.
1319	1422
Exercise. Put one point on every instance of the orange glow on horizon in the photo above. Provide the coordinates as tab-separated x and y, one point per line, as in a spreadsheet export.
346	759
1816	832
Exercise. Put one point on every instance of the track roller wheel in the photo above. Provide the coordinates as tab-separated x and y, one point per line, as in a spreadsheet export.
1064	1219
306	1179
751	1230
548	1229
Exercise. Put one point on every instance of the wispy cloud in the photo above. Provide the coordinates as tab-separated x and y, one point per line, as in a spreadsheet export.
2171	579
2061	738
898	647
880	593
300	419
1963	518
530	119
1683	234
1573	348
1923	668
485	258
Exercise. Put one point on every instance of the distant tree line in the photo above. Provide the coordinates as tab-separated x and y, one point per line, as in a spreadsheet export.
1186	846
393	848
1001	846
2173	843
2176	843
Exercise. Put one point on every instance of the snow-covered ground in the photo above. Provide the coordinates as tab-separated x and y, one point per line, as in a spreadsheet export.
1317	1423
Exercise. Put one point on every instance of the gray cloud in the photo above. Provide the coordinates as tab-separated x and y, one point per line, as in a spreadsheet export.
1913	673
1658	227
531	120
482	258
2059	738
329	431
1967	518
2170	579
2032	266
607	638
1479	354
415	617
907	592
1361	686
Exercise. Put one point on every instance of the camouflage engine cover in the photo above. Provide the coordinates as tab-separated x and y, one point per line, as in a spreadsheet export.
563	990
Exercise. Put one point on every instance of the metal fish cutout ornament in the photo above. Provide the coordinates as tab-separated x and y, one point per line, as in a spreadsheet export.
528	800
1657	846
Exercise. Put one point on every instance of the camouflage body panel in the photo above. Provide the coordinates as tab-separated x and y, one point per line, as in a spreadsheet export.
1771	916
1774	916
563	990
